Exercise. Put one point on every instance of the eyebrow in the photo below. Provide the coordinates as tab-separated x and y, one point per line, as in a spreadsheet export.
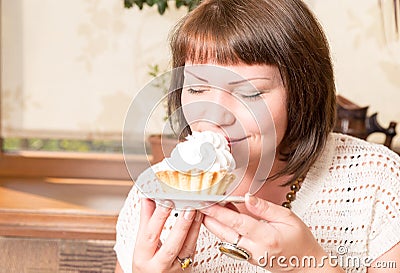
249	79
230	83
197	77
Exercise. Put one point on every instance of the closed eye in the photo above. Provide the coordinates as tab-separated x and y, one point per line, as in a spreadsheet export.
250	96
196	90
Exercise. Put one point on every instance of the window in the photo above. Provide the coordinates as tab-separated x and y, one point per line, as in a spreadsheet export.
69	72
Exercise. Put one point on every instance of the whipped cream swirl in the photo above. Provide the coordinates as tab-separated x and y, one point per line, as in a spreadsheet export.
203	151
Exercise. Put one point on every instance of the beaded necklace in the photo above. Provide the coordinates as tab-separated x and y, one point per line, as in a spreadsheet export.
291	195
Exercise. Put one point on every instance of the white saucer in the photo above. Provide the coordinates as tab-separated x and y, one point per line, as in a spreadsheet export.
195	201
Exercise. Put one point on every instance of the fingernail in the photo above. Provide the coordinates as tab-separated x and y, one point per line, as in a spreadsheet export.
189	214
251	199
205	211
199	216
204	207
166	205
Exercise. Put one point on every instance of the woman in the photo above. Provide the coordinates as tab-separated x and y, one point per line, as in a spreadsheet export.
330	202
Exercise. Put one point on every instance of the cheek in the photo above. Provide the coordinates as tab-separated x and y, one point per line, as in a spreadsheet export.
184	101
271	119
192	109
280	121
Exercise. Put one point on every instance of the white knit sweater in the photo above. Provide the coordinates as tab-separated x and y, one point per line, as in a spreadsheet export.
350	200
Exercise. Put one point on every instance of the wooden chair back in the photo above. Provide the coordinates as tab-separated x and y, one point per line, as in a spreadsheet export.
352	119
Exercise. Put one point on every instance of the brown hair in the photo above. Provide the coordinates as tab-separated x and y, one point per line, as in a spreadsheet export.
275	32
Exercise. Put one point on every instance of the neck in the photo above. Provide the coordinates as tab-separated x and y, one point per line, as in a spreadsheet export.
273	191
268	190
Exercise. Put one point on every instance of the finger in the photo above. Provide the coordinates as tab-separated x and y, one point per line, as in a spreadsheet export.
269	211
241	223
169	251
223	232
189	246
148	239
226	234
226	224
147	207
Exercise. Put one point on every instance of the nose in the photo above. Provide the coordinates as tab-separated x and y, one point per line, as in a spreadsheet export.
219	114
214	108
220	108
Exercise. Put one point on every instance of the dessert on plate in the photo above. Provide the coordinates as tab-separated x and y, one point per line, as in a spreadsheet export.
202	164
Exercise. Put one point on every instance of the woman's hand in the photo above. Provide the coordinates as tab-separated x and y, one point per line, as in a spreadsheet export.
150	255
279	233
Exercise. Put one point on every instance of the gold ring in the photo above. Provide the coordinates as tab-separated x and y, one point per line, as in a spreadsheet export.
185	262
233	251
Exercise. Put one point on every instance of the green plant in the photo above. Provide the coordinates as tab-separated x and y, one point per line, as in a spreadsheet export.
162	5
160	81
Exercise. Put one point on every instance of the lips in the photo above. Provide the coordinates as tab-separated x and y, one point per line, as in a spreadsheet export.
235	140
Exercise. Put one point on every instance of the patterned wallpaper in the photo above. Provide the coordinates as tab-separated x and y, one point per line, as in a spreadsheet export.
366	54
72	67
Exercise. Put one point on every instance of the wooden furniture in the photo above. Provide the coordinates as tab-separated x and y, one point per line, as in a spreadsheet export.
161	146
352	119
59	225
61	208
39	255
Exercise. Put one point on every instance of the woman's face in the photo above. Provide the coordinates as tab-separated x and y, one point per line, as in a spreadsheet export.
245	103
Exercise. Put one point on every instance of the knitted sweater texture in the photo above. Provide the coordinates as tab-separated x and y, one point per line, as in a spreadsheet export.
350	200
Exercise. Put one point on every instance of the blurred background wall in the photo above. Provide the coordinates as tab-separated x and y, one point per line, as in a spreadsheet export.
71	68
365	44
